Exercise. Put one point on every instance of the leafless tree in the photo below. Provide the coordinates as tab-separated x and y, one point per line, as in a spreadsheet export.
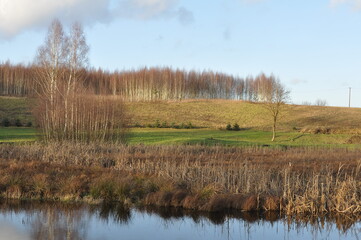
67	109
77	59
273	97
51	59
320	102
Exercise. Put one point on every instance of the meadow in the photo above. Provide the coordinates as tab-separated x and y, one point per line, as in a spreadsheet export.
313	167
299	125
206	136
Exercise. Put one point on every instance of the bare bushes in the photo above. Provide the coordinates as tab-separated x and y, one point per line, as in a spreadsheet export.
317	130
91	118
66	108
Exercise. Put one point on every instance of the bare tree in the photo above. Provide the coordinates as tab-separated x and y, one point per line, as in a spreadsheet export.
67	110
51	59
77	60
320	102
273	97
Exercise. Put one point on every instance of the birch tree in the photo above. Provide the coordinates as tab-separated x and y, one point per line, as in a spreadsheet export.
51	59
77	59
273	96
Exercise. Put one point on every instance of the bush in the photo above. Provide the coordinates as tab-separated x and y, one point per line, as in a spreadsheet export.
164	125
18	123
5	122
137	125
236	127
29	124
157	124
229	127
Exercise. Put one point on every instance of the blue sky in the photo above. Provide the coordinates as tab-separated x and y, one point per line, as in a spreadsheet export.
314	47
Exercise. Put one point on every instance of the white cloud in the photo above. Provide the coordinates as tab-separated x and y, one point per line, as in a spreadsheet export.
19	15
149	9
356	4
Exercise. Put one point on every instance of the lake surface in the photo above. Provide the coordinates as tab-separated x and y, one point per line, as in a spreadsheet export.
37	220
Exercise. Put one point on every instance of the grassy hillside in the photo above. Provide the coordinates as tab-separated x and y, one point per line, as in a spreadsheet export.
209	116
217	113
14	108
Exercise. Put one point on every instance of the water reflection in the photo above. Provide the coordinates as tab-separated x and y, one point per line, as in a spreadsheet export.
49	220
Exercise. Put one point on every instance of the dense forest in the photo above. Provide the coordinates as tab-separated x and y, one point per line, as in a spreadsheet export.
145	84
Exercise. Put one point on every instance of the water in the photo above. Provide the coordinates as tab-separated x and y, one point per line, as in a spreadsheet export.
36	220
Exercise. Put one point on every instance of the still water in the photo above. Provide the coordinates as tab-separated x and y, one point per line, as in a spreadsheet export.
37	220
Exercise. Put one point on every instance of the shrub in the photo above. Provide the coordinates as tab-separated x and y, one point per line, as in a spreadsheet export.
229	127
157	124
5	122
137	124
18	123
236	127
164	125
29	124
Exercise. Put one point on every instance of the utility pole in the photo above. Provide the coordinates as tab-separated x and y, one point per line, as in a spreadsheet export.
349	97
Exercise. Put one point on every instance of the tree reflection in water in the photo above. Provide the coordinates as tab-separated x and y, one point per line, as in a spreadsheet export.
50	220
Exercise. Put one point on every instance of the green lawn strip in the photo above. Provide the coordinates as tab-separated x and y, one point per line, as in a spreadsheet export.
167	136
16	134
149	136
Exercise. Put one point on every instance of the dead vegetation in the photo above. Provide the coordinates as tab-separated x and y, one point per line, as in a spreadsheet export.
356	139
293	180
316	130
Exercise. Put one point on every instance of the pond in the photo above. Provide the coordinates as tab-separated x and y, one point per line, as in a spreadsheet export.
44	220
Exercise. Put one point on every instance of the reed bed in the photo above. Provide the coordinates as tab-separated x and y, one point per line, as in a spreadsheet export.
294	181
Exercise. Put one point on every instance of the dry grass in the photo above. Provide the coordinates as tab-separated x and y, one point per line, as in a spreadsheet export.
218	113
294	181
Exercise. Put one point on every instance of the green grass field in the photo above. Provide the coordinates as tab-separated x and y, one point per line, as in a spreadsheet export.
12	134
154	136
212	115
234	138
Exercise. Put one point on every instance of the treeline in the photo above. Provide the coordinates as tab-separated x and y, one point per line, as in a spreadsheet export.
146	84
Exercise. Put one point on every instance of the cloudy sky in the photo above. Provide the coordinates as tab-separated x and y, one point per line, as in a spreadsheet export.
314	47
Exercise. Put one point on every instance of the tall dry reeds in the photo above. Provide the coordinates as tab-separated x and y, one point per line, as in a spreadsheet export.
294	181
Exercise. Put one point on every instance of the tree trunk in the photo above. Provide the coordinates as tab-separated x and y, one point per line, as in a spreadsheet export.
274	129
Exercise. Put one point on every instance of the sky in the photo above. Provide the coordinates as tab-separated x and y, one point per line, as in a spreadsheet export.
313	47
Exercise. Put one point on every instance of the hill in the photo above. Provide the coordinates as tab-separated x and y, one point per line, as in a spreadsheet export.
217	114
